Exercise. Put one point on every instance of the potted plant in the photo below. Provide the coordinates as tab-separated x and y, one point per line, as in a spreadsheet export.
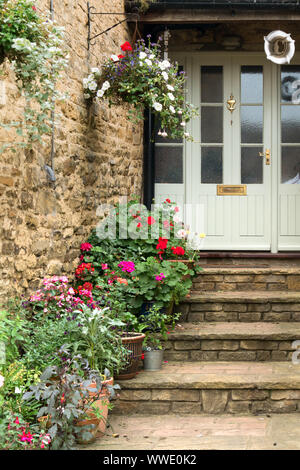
156	332
67	401
140	77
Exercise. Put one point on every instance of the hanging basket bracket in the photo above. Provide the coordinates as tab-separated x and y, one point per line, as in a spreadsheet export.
91	11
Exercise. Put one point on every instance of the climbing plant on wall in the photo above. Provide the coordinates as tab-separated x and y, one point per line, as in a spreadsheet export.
33	44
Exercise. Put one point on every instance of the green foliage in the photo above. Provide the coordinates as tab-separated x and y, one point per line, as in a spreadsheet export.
33	44
174	286
157	324
13	334
98	339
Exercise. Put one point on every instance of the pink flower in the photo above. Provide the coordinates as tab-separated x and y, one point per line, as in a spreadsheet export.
176	209
127	266
86	247
104	266
166	224
160	277
17	420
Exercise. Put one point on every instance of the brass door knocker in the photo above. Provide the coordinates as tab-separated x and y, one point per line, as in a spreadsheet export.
231	103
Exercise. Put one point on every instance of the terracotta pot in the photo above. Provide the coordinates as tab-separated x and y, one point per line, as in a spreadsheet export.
102	403
189	262
91	420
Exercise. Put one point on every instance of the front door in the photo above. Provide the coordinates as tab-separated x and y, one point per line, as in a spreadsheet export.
230	178
237	181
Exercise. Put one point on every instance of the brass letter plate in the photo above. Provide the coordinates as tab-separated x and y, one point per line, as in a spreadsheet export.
231	190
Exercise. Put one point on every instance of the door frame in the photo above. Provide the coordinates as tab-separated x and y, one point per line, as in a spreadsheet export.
275	103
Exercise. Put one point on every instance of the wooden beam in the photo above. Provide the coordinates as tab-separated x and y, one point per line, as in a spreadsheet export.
215	16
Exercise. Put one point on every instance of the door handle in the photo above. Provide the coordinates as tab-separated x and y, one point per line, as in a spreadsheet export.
267	155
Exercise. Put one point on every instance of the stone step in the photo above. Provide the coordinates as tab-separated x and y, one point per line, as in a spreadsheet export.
232	341
213	387
250	306
247	278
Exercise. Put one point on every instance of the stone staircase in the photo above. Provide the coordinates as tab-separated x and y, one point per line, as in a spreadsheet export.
232	351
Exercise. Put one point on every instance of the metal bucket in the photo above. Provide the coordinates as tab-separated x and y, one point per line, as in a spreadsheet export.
153	359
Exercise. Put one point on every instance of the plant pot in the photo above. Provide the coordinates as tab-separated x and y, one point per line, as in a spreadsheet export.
189	262
102	403
93	422
153	359
133	343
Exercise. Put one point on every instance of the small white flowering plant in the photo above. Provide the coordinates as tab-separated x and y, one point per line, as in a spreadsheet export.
141	77
34	46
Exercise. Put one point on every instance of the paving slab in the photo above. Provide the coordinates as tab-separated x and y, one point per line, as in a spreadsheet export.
205	432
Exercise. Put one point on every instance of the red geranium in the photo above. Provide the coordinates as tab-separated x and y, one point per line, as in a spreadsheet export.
126	46
121	56
162	244
150	220
88	286
86	247
178	250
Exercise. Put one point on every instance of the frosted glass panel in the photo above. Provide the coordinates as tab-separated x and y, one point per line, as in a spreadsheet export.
251	84
168	164
251	165
289	88
212	124
212	84
251	124
212	165
290	124
290	165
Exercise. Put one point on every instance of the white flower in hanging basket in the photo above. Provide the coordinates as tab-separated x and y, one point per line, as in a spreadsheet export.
279	47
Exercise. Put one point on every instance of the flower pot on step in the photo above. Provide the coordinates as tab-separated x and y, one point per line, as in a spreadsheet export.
133	343
102	402
153	359
89	425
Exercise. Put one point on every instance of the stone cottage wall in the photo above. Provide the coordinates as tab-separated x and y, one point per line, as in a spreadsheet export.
98	157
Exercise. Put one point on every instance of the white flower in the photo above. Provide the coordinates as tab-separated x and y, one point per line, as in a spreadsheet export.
183	124
165	76
143	55
176	219
170	87
148	62
172	109
164	64
115	58
171	96
141	64
159	132
164	134
180	112
85	82
157	106
92	86
186	134
86	96
151	56
1	380
95	70
18	390
106	85
100	93
181	233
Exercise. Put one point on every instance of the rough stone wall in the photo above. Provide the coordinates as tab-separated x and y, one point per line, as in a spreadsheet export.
98	157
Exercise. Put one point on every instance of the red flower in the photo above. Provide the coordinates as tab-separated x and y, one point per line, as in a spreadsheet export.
62	398
178	250
139	225
150	220
168	201
17	420
34	8
120	56
143	356
126	46
88	286
162	244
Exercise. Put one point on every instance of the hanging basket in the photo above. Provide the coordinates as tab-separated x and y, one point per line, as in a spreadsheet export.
279	47
133	343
